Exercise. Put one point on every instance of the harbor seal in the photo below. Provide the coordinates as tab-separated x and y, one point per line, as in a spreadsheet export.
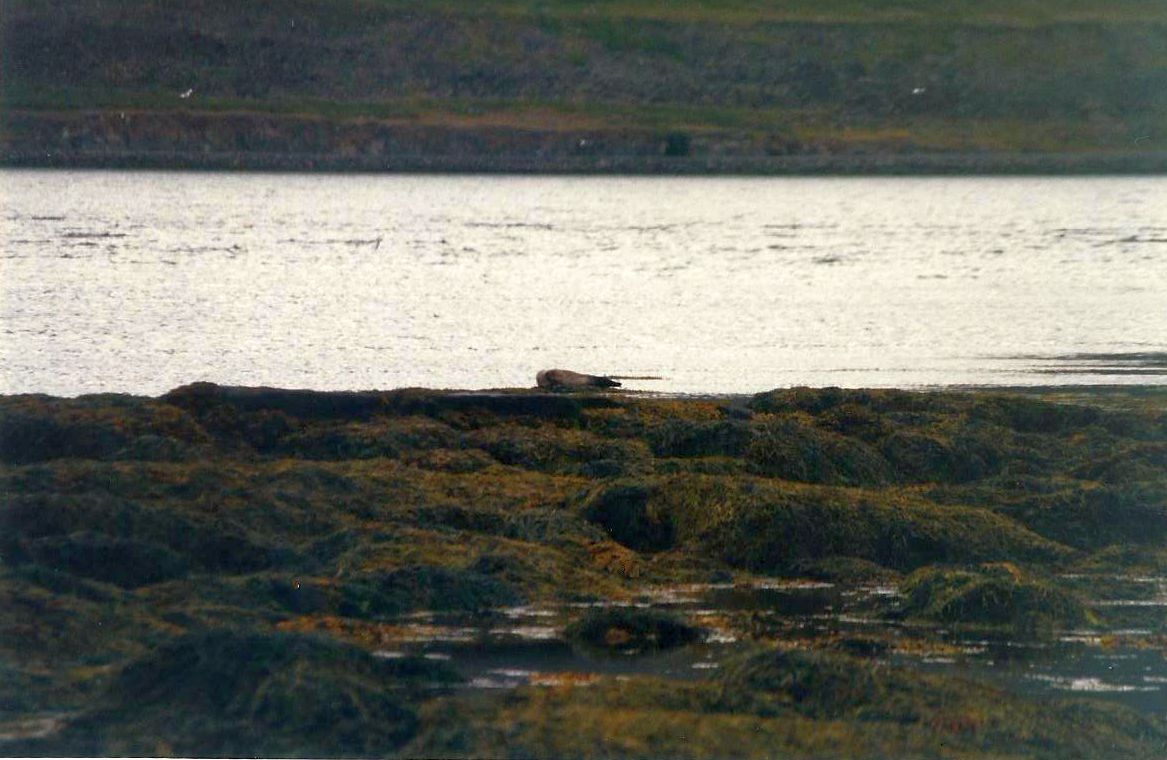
566	380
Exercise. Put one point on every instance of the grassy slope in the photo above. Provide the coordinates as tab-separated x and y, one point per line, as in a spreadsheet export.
215	523
806	76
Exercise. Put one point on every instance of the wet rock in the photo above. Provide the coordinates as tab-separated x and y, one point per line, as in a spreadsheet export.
631	630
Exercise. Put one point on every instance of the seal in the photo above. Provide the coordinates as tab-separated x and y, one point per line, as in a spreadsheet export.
566	380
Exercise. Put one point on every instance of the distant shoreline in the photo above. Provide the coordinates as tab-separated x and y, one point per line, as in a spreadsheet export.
875	164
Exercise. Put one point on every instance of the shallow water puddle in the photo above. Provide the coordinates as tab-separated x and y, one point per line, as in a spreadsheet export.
36	727
525	645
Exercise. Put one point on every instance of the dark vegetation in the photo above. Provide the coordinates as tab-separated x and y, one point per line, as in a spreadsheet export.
228	694
799	703
208	573
585	86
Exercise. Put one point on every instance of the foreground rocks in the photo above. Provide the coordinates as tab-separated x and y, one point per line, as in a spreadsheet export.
253	559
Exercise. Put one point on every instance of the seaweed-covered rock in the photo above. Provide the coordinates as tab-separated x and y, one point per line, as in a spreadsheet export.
1093	517
124	562
1032	415
227	694
381	437
679	437
424	587
553	449
40	428
773	527
839	569
631	630
855	420
624	512
816	683
818	401
992	594
793	451
201	541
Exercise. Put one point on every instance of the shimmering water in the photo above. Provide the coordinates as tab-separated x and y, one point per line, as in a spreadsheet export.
139	282
525	645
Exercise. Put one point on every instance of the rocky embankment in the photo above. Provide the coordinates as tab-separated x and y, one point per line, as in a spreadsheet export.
130	139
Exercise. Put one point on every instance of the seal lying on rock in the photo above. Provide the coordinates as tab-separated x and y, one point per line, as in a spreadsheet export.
566	380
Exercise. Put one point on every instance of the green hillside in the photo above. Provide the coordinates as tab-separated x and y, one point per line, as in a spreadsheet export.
374	81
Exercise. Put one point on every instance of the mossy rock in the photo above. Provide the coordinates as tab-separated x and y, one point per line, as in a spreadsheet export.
855	420
1094	517
679	437
765	526
122	562
838	569
819	684
1031	415
1137	462
424	587
630	630
225	693
917	457
819	401
623	511
200	541
381	437
108	426
551	449
997	594
792	450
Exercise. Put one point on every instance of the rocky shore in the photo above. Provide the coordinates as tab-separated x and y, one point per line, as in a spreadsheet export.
255	142
255	571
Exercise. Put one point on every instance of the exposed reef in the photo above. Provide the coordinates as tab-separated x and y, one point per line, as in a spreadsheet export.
258	571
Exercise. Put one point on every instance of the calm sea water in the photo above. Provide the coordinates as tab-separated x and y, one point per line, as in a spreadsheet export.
139	282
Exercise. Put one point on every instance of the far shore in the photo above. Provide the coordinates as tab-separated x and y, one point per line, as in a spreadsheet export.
863	164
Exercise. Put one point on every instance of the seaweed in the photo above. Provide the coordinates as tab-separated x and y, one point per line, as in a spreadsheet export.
228	693
793	451
134	531
622	510
994	594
